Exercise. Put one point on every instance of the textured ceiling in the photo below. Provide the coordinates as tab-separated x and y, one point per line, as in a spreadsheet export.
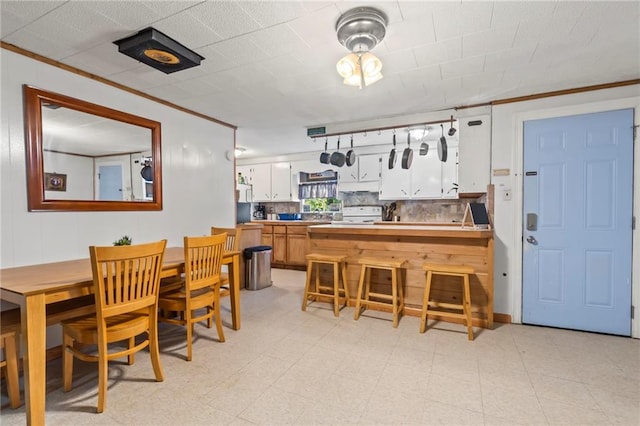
270	66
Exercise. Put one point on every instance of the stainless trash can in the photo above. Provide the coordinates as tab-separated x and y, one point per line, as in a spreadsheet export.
258	272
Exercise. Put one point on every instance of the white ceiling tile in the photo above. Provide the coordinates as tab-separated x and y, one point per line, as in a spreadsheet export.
278	40
29	11
199	86
81	17
143	77
423	10
187	30
285	66
416	79
102	60
45	46
508	12
412	32
226	18
168	8
484	42
435	53
16	14
482	80
214	61
10	22
466	66
540	31
465	18
130	15
318	28
240	50
268	13
398	62
505	59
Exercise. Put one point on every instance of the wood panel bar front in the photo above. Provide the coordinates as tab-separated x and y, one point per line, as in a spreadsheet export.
415	245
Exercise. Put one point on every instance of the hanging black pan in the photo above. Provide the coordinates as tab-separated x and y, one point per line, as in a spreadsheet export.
351	155
392	155
442	147
337	158
324	157
147	172
407	154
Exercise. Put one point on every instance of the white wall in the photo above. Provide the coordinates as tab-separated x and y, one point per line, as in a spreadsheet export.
76	168
198	181
506	153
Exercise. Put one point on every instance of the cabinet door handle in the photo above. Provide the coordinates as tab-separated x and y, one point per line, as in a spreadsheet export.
352	175
363	176
416	192
403	192
275	196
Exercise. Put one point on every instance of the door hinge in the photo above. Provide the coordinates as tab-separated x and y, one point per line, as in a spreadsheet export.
633	222
633	312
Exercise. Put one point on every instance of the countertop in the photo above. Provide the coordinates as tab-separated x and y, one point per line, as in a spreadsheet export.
292	222
403	230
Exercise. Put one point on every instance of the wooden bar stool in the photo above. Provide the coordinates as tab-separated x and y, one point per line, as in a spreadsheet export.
462	271
338	263
9	330
395	299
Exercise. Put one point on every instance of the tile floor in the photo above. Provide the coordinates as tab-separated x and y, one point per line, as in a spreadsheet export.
291	367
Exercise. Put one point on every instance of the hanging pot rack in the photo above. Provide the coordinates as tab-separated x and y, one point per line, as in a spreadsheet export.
378	129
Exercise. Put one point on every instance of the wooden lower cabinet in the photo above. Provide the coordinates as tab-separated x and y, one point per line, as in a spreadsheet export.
266	238
296	249
289	243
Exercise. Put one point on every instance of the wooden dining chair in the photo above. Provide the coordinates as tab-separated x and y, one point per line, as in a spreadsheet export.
9	331
126	281
232	244
201	289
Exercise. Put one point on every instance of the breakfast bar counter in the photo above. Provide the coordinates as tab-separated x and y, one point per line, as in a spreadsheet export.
415	244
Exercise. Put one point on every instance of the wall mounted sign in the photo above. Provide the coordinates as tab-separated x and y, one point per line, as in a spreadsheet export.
55	182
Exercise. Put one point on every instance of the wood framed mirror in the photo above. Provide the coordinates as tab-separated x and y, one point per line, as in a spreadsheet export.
86	157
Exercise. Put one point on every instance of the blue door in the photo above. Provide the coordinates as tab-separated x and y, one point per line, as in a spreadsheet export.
110	183
577	220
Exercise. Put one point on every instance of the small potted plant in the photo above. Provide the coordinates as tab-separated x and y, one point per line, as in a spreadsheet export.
124	241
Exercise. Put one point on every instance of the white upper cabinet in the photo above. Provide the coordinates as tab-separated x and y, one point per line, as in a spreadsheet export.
281	182
261	181
369	168
271	182
450	173
395	184
474	168
426	175
348	174
427	178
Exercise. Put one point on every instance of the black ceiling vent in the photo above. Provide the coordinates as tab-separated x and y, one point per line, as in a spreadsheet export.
158	50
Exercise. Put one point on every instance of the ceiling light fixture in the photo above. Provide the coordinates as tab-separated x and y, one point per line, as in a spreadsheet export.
360	30
158	50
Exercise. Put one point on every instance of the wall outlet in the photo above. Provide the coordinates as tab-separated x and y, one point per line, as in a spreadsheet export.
506	194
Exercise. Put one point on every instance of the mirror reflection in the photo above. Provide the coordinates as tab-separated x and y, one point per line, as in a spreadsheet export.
82	156
94	158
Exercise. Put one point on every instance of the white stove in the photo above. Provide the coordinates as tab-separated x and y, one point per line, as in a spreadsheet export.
364	215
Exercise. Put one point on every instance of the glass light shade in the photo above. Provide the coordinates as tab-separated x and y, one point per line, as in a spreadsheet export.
359	69
419	133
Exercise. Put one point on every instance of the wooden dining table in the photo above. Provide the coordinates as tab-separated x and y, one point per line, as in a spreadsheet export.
34	287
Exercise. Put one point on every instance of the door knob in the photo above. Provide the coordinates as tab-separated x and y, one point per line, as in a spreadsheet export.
532	240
